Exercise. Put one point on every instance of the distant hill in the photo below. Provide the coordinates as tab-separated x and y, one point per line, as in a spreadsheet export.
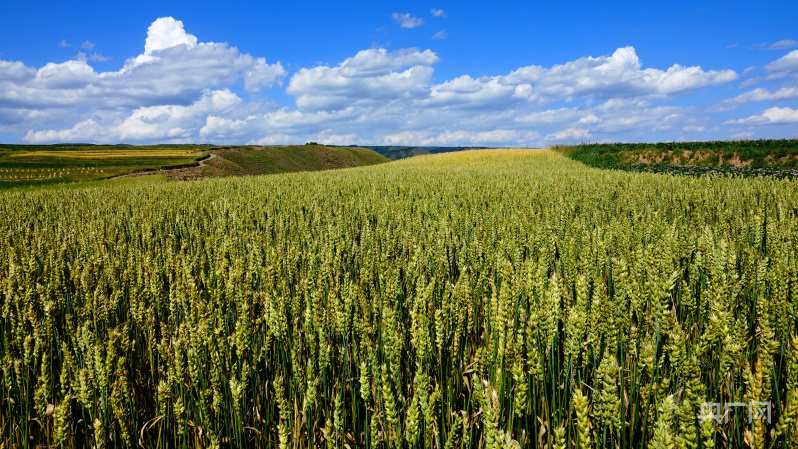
257	160
400	152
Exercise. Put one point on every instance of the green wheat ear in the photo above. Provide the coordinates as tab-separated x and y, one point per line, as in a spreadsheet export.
559	438
582	409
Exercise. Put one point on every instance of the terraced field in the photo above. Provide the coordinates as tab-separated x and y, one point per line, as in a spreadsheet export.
50	165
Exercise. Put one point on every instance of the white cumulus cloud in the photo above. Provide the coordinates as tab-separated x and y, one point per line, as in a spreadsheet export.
787	65
373	75
262	75
606	77
762	94
174	69
67	75
772	116
171	123
167	32
618	75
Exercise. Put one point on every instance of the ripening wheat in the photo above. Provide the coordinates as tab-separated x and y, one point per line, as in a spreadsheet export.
477	299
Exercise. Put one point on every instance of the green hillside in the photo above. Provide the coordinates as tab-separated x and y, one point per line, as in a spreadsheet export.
257	160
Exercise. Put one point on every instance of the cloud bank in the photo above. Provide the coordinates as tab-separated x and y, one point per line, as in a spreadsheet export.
182	90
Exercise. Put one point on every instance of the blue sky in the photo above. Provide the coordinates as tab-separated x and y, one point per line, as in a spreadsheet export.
397	73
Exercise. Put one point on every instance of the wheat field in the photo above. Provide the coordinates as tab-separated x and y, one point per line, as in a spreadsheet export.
480	299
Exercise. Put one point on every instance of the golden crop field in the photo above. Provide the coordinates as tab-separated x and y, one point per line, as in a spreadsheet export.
481	299
89	154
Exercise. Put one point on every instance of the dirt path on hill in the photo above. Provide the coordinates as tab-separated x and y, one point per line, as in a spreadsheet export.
164	170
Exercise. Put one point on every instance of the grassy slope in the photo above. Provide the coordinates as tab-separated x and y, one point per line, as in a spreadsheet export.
240	161
43	165
734	157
